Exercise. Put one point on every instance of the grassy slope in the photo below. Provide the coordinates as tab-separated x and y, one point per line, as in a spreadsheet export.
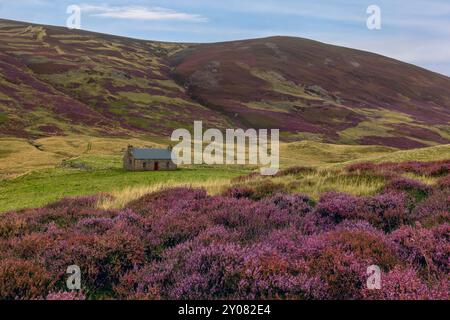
56	81
73	166
18	156
41	187
306	88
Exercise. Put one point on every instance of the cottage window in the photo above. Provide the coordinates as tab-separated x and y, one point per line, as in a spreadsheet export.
144	165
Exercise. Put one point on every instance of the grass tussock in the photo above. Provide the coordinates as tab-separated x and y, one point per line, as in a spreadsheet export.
120	198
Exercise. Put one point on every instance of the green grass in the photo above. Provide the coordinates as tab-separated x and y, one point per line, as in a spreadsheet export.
3	117
315	183
145	98
45	186
94	162
309	153
434	153
83	165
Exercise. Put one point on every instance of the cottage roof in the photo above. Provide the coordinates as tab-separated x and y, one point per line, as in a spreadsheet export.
151	154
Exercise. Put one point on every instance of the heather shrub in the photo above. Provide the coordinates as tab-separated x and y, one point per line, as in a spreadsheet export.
336	261
438	169
31	245
12	225
415	189
218	234
252	242
239	193
433	209
251	219
435	219
71	204
136	285
365	242
192	271
61	296
341	272
266	188
21	279
177	225
432	169
37	220
340	206
160	202
101	258
293	203
257	191
268	274
405	284
314	223
427	249
361	167
444	183
386	211
97	225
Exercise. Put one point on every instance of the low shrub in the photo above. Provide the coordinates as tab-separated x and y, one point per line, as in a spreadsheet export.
340	206
293	203
295	171
417	190
444	183
431	169
252	242
386	211
22	279
405	284
239	193
61	296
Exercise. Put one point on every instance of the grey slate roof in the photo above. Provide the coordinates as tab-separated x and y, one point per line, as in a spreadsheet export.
152	154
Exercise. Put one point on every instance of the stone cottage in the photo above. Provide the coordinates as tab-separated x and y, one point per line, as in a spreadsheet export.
136	159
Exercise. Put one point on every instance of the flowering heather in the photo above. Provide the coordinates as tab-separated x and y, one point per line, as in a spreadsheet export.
387	210
432	169
73	295
340	206
257	191
444	183
434	208
427	249
255	243
21	279
414	188
293	203
238	193
406	284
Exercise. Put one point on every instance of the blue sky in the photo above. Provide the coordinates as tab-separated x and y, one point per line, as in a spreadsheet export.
413	31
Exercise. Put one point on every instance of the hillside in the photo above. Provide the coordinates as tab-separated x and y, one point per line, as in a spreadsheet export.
55	81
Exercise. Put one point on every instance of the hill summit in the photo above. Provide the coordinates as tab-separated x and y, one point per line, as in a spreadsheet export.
56	81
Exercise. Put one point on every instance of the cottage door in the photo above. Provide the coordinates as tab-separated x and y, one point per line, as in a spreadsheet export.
156	168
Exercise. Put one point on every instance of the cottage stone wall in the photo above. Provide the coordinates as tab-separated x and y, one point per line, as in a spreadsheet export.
131	164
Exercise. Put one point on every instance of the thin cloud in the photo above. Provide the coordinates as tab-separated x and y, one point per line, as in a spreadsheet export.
141	13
